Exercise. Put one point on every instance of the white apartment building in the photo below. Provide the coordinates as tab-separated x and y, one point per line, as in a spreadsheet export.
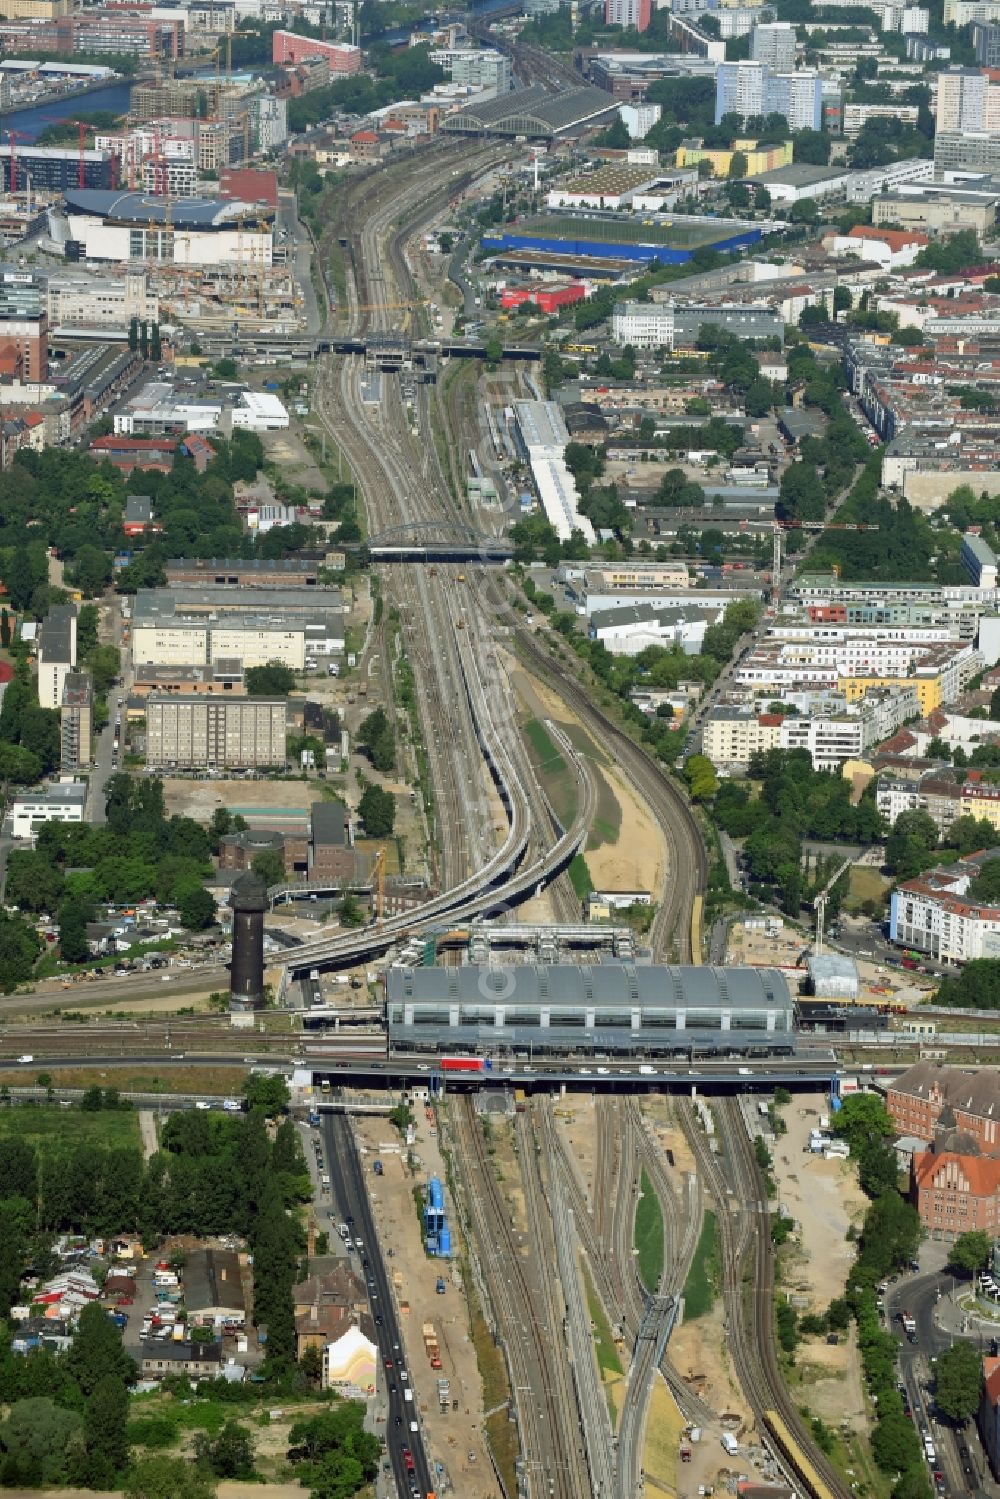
979	561
933	915
628	631
968	100
831	736
773	43
639	119
644	325
62	801
733	735
56	653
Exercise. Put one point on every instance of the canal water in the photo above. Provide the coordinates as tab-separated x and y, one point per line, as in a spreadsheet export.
31	122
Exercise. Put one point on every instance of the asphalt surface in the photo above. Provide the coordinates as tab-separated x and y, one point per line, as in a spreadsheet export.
960	1458
300	253
350	1198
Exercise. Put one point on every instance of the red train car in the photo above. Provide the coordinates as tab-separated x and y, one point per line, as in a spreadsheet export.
466	1064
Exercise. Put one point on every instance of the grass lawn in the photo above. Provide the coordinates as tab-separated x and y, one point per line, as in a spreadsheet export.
580	876
556	777
702	1281
648	1235
864	884
51	1128
607	1354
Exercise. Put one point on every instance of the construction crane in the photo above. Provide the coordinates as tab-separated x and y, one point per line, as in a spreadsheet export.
820	903
82	126
14	136
779	527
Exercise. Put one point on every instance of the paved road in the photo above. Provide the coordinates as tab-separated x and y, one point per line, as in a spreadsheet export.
106	759
300	251
350	1197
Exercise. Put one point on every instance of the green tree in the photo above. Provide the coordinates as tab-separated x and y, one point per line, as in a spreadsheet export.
105	1427
892	1443
96	1352
376	736
971	1251
272	680
42	1443
958	1380
228	1455
737	165
196	907
377	810
702	780
269	866
863	1120
349	911
909	849
268	1094
168	1478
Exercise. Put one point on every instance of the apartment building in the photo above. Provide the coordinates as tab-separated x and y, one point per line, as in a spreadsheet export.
56	653
773	43
290	49
968	99
24	325
240	733
733	734
918	1097
933	914
935	792
753	88
76	720
979	561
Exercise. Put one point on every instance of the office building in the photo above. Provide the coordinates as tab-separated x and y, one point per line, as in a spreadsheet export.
238	733
76	720
773	43
24	326
56	653
753	88
76	300
956	1193
669	325
62	801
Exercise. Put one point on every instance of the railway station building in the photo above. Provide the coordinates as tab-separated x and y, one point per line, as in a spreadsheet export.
616	1009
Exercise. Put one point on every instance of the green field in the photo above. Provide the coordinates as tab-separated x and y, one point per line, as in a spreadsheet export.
579	876
51	1128
702	1281
648	1236
607	1354
555	774
673	235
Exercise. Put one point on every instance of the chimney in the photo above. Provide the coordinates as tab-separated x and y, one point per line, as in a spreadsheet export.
314	1313
222	1273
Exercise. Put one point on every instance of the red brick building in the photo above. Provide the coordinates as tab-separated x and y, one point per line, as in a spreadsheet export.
955	1194
918	1098
130	453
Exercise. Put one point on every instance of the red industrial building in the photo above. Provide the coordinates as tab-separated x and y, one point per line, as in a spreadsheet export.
547	299
287	48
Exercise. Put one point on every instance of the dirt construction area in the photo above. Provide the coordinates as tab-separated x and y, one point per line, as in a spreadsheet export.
824	1200
453	1438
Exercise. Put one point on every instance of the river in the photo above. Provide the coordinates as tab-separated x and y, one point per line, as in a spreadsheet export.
31	122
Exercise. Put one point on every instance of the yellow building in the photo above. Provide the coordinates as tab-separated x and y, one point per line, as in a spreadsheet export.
758	159
928	687
982	801
35	10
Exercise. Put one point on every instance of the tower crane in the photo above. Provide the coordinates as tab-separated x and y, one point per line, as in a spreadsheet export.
778	529
82	126
14	136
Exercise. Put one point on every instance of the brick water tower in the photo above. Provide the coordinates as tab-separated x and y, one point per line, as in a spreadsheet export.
246	970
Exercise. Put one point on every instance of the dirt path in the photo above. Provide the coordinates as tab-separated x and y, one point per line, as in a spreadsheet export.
147	1132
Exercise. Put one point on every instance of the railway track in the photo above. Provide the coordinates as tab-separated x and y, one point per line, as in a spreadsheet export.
552	1455
745	1228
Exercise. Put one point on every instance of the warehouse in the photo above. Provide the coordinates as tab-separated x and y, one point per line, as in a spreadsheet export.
609	1008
